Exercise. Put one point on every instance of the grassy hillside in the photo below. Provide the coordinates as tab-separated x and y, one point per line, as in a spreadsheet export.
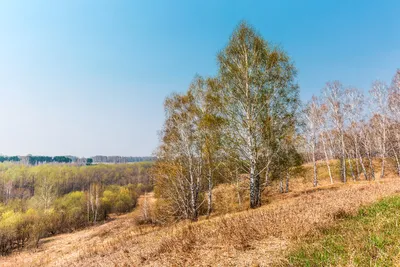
369	238
253	237
236	236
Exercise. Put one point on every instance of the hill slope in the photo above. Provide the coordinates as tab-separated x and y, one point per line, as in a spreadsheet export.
369	238
262	236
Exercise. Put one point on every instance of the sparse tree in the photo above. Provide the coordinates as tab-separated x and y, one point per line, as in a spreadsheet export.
323	136
210	122
380	101
354	103
333	94
394	109
312	122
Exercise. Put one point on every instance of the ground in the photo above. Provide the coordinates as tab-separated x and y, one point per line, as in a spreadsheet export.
369	238
260	237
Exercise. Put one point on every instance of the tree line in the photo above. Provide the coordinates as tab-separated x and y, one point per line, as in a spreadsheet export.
248	119
342	123
35	160
120	159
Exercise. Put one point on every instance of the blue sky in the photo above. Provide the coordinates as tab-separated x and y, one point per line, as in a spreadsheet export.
90	77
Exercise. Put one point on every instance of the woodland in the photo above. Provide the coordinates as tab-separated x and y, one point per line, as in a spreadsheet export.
247	123
231	142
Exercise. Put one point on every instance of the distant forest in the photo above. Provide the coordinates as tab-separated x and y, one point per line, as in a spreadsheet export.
119	159
35	160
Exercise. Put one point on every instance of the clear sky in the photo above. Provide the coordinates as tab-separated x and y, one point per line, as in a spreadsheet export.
89	77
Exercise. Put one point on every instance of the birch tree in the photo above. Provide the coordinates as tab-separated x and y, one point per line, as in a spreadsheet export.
190	143
333	94
366	138
207	105
312	115
324	136
354	103
256	79
181	144
93	201
394	109
380	102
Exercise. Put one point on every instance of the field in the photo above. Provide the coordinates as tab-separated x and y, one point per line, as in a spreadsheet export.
274	234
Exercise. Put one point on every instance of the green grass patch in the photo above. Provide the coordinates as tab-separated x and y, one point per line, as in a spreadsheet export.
370	238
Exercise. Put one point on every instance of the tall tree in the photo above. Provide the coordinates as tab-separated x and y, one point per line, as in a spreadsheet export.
257	88
181	145
190	144
324	136
312	123
380	101
394	108
333	94
208	106
354	105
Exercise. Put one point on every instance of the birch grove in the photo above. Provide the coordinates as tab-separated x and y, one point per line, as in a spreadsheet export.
356	129
245	115
244	126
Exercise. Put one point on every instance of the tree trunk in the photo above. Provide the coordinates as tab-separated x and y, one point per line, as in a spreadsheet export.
287	181
383	164
237	188
397	161
210	186
330	146
356	158
88	204
363	166
254	185
343	160
371	167
315	182
97	202
351	168
327	159
193	194
258	190
383	150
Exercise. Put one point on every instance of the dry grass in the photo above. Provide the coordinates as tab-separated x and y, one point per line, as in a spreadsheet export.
247	238
369	238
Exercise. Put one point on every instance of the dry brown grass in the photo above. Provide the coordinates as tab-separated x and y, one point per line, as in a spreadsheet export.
230	198
246	238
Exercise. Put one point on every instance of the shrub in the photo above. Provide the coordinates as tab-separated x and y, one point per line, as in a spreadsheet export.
119	199
72	210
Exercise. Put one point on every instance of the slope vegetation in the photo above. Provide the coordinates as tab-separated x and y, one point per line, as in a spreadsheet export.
253	237
369	238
